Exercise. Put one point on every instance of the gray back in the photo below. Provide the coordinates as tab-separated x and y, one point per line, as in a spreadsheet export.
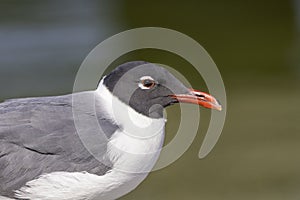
38	135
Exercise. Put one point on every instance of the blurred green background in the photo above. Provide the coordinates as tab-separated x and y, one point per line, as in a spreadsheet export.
255	44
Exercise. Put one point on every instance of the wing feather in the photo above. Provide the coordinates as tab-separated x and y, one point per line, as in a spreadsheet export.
38	136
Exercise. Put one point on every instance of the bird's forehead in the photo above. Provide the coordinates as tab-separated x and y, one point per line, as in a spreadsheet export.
125	77
148	70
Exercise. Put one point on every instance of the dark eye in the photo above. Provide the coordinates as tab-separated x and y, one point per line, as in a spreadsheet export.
148	83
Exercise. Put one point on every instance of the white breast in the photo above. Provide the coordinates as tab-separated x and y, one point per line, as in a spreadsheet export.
133	150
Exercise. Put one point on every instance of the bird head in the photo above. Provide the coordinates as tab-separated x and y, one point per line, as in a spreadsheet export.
149	88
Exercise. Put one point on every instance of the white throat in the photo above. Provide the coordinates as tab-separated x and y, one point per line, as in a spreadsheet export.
132	122
136	146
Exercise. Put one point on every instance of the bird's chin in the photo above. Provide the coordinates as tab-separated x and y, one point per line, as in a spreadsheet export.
156	111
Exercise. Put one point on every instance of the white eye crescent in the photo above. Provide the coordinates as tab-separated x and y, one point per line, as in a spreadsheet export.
146	82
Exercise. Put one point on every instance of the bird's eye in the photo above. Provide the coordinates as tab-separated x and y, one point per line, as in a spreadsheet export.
147	83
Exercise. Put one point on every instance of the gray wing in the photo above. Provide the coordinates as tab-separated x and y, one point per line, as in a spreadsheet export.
38	135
